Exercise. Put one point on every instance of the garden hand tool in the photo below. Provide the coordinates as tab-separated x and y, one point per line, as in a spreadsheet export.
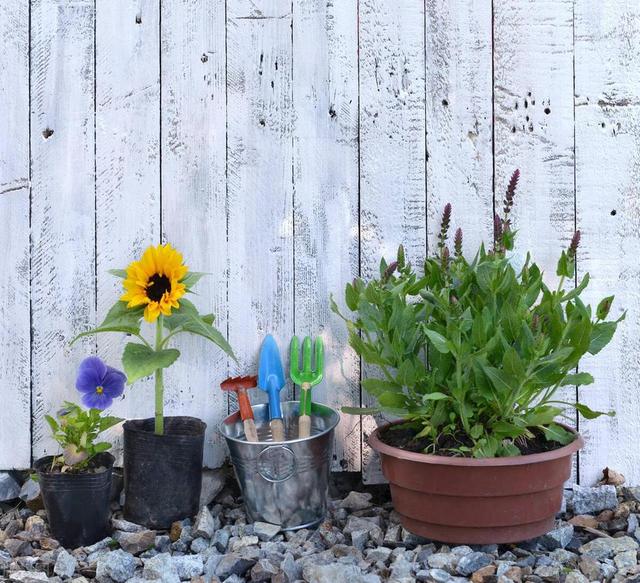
306	378
240	385
271	380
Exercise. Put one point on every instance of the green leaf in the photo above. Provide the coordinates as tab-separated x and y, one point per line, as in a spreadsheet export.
589	413
439	342
192	278
581	378
555	432
187	319
108	421
563	265
575	292
352	297
121	273
512	364
101	446
392	400
601	335
501	382
435	396
361	410
602	311
541	415
140	361
376	387
52	423
505	429
118	319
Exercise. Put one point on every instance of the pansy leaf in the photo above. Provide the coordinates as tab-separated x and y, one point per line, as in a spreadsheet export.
52	423
108	421
140	361
101	446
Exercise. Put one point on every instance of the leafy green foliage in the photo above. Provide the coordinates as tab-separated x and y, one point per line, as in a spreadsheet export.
140	360
76	430
187	319
119	319
475	350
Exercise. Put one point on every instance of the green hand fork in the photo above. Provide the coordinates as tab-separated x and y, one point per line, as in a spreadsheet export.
306	378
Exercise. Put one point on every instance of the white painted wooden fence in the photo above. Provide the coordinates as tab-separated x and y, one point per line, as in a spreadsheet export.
283	146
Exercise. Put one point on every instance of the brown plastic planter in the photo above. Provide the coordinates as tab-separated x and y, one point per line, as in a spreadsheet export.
476	501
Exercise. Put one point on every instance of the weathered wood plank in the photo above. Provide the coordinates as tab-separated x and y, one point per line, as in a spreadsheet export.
127	166
15	373
533	71
608	190
259	179
194	211
392	146
325	100
459	118
63	202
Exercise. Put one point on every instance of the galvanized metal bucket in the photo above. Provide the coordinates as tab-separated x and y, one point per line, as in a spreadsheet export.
284	483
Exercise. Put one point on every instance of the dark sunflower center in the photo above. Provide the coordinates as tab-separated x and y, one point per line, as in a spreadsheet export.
158	284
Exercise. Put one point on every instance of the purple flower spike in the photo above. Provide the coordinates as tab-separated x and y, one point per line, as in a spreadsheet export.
99	384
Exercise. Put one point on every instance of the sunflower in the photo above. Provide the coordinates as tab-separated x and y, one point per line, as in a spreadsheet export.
154	281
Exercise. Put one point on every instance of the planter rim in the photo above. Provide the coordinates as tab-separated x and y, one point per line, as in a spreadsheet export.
233	417
135	425
378	445
109	459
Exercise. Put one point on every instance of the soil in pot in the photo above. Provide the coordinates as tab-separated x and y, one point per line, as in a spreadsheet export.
475	501
77	504
403	436
162	473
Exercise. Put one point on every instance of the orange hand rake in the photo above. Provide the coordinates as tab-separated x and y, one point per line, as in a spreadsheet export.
239	385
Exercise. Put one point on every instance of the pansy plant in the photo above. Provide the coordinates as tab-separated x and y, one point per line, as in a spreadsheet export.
76	430
154	291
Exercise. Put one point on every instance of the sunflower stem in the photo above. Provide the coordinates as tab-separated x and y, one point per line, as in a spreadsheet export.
159	423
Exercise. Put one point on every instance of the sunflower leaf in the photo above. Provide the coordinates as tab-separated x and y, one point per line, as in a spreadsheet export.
192	278
121	273
187	319
120	318
140	361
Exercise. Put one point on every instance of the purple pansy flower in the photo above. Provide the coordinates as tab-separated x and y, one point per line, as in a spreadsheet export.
99	384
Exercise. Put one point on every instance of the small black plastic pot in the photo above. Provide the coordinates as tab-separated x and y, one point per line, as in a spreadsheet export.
162	473
77	504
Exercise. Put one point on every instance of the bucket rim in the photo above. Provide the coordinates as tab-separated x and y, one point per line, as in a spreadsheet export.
235	416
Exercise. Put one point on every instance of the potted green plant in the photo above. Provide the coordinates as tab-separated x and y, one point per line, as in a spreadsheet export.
76	484
471	355
162	455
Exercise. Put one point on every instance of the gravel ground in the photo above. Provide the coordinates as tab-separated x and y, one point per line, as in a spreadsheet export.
361	541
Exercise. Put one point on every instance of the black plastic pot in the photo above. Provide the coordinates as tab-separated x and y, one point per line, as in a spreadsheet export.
77	504
162	473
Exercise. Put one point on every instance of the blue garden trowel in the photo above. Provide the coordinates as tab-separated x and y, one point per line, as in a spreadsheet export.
271	380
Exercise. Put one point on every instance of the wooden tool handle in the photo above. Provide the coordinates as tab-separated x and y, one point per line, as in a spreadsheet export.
304	426
250	430
277	429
